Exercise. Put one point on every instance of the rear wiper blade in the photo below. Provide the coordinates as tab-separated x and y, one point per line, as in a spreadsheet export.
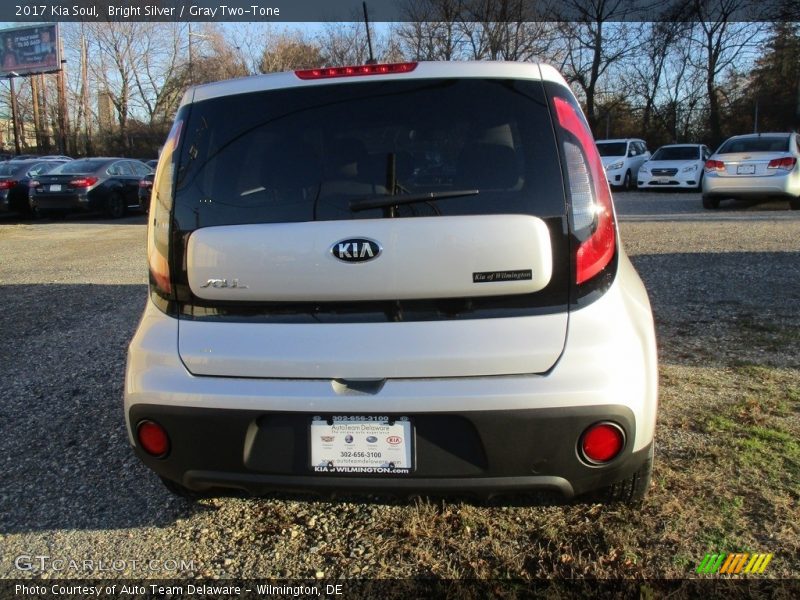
385	200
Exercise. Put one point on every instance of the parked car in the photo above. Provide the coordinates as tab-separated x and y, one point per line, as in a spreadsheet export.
759	166
145	189
14	179
674	166
89	184
622	159
323	314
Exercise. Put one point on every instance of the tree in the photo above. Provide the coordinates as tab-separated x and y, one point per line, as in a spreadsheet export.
289	51
722	44
596	38
775	82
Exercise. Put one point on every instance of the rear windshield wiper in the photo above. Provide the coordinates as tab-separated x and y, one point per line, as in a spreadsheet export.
385	200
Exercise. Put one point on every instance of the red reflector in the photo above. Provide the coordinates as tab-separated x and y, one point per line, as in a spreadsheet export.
83	182
715	165
787	163
7	184
602	442
153	438
382	69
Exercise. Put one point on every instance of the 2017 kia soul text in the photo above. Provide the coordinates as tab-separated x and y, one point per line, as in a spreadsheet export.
399	278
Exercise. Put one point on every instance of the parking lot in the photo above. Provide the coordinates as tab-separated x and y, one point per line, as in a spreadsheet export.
725	289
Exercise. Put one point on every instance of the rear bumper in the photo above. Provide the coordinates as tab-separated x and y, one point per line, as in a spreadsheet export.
474	434
480	453
774	186
62	203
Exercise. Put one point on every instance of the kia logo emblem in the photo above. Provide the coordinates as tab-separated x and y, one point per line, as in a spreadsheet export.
356	250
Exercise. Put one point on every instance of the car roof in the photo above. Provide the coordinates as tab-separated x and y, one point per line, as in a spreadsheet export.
422	70
681	145
618	140
758	135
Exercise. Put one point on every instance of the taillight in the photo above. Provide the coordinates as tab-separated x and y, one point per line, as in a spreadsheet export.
33	183
714	165
153	438
331	72
591	205
83	182
601	443
145	183
158	227
786	163
7	184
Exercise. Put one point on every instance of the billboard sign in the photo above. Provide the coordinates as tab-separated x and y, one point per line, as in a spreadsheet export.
26	50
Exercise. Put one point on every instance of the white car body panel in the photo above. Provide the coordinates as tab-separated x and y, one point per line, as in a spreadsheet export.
746	174
609	357
426	257
627	164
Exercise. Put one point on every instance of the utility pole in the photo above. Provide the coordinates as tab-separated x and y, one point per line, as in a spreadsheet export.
36	116
63	118
14	113
46	121
87	144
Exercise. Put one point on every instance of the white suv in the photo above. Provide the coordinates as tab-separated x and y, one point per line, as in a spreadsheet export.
399	278
622	159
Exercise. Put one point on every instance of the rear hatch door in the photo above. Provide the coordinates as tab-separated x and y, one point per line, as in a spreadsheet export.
284	273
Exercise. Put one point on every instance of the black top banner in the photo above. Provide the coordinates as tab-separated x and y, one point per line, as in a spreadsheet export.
397	10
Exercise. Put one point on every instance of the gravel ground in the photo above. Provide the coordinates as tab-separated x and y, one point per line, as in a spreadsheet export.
725	286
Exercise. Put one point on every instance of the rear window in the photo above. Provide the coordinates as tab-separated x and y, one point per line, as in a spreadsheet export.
612	148
677	153
756	144
7	169
304	154
75	167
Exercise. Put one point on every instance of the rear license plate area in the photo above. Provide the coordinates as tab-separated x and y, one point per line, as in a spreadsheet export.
745	169
361	445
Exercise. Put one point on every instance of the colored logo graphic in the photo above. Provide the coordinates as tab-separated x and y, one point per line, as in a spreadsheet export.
734	563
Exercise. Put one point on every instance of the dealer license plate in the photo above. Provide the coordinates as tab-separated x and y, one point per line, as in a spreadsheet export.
56	187
745	169
371	445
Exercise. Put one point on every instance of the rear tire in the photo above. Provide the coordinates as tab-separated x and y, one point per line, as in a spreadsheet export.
710	203
794	204
630	491
115	206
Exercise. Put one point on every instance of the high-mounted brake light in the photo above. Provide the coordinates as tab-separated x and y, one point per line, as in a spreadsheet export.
590	196
714	165
355	71
786	163
83	182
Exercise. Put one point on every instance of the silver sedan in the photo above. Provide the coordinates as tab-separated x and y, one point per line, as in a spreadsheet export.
756	166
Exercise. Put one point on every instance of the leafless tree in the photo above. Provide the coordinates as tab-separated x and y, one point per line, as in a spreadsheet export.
720	43
595	39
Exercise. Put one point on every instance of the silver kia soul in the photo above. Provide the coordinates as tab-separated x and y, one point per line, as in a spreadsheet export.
401	278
